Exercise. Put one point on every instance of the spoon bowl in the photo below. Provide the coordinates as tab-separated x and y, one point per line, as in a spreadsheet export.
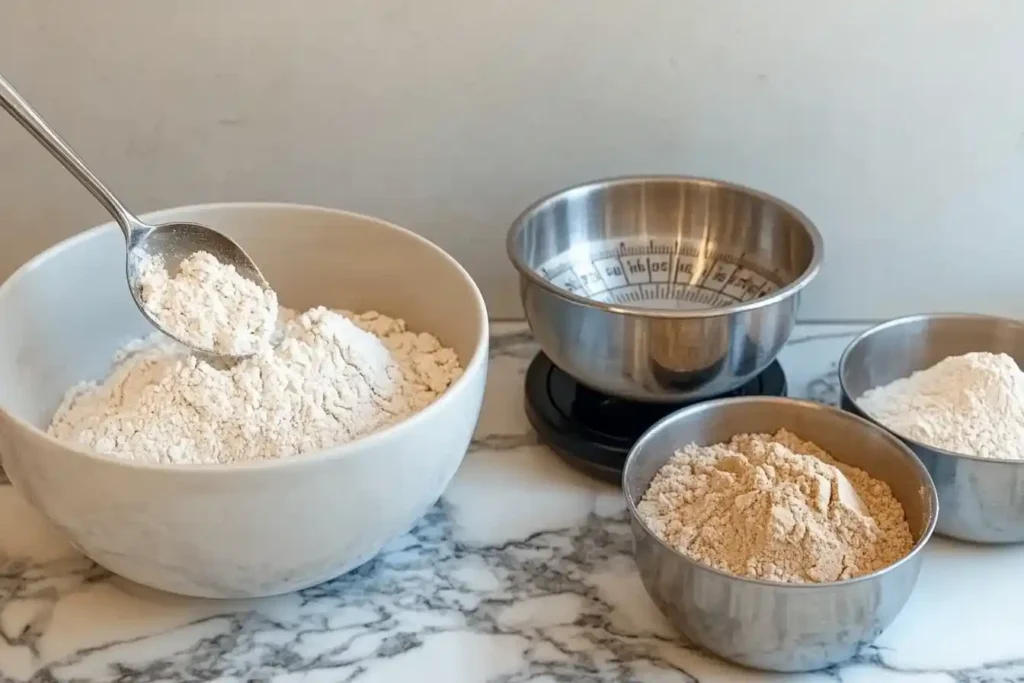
171	243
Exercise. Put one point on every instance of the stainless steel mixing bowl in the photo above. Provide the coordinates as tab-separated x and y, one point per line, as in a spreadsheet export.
662	288
982	500
762	624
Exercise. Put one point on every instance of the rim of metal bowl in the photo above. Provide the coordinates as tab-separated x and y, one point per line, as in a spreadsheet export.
906	320
929	485
809	273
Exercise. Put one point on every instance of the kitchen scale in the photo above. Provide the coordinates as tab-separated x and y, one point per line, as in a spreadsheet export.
649	294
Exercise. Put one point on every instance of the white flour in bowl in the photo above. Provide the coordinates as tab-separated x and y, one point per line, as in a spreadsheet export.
971	404
208	304
332	379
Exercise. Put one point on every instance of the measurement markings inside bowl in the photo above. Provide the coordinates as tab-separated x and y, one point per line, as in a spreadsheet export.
648	274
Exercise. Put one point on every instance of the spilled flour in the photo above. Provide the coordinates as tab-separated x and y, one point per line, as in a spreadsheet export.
971	404
332	379
208	304
777	508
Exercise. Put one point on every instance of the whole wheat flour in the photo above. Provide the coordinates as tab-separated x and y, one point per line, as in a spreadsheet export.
208	304
333	378
773	507
971	404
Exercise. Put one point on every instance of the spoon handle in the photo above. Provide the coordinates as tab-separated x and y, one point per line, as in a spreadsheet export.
22	112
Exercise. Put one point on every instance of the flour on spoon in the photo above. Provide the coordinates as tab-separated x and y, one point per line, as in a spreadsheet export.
208	304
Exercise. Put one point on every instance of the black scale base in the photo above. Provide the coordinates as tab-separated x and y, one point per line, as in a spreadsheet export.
594	432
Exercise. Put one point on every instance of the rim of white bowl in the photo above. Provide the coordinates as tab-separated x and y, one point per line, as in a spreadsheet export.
369	441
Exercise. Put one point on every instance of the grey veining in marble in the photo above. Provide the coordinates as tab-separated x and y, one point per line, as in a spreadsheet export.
521	573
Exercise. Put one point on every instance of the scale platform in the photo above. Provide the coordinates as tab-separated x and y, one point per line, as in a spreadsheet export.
594	432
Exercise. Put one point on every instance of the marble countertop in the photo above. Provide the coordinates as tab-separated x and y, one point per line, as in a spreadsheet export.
521	573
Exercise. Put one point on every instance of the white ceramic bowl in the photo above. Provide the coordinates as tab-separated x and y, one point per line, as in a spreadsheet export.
251	529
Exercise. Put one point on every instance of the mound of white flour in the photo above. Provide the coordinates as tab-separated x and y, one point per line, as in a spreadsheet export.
971	404
208	304
332	379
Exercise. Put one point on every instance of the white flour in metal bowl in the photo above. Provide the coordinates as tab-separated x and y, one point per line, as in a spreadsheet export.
335	377
971	404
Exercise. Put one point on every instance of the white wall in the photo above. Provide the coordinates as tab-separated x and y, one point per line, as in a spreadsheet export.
897	126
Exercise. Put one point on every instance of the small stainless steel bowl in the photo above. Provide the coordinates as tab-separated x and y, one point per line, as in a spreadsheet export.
662	288
768	625
981	500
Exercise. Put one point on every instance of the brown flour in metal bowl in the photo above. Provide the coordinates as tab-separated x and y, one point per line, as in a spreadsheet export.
777	508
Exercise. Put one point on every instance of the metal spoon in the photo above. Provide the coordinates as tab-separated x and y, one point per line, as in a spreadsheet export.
173	242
